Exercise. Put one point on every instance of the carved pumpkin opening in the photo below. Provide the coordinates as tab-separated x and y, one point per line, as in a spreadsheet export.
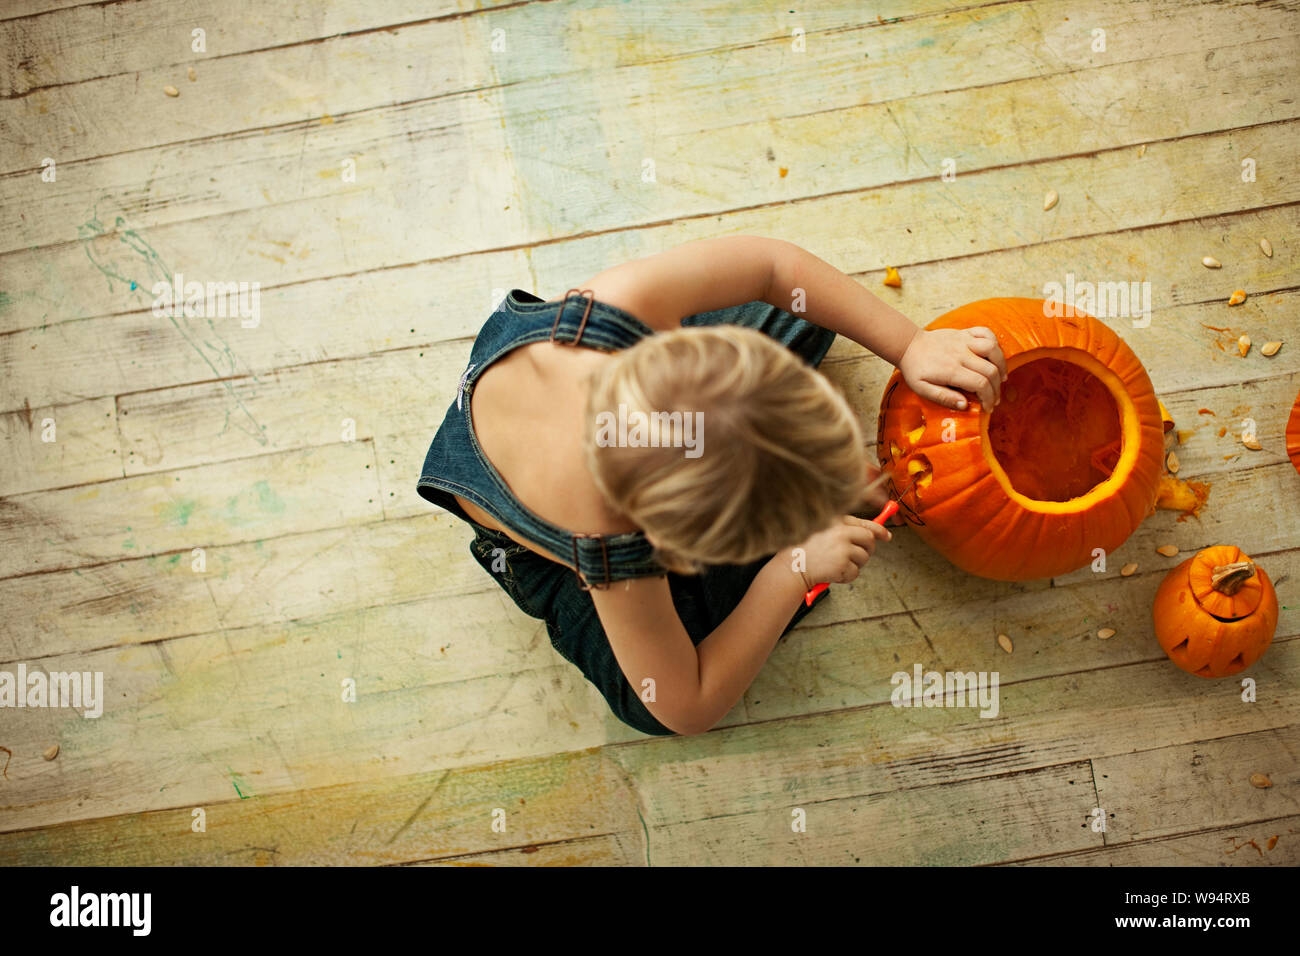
1057	431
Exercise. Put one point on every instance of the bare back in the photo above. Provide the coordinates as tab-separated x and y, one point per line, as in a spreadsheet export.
527	412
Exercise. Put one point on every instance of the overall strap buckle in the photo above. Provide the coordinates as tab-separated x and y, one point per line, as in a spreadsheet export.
591	299
577	566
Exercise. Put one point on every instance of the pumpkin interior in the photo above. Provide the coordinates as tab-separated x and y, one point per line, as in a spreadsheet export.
1057	432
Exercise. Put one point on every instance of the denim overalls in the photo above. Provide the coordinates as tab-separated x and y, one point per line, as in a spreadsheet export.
543	589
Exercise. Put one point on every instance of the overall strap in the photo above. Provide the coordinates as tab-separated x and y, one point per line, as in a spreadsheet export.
521	319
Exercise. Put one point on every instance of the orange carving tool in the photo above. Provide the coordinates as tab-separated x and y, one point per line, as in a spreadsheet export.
887	512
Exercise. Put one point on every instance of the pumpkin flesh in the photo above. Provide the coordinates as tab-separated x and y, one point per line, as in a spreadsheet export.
1293	434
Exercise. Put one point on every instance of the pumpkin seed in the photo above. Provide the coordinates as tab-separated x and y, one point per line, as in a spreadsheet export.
171	91
1252	443
1142	150
1004	642
1168	550
1105	634
1129	569
1211	263
1050	199
1243	345
1171	462
1237	297
1269	349
1266	247
1260	780
51	751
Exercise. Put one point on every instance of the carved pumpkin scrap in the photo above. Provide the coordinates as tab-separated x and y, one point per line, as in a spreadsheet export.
1067	462
1215	613
1293	434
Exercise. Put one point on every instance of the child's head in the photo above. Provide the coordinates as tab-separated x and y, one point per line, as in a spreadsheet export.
778	456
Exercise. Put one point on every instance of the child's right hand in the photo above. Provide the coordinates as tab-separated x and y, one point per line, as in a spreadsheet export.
837	554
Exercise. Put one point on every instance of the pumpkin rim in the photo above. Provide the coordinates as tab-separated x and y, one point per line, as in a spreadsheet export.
1130	434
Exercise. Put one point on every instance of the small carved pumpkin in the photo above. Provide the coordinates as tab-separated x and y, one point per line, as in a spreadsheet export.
1215	613
1067	463
1293	434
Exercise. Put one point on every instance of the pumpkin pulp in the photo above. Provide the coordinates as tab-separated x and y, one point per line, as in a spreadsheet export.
1065	434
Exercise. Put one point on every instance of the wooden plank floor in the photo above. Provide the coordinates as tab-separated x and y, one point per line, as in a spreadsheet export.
385	177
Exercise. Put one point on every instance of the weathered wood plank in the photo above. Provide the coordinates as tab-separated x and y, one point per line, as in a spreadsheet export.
86	44
611	849
284	85
978	128
848	663
406	390
60	364
880	748
95	40
1265	401
227	720
83	446
266	581
422	703
962	824
31	8
233	502
1274	843
391	820
1042	722
1166	791
1253	508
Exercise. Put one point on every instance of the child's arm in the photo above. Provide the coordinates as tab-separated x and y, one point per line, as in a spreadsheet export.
696	686
931	361
710	274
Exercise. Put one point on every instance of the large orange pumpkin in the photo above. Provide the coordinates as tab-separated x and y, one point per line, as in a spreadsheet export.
1215	613
1293	434
1067	462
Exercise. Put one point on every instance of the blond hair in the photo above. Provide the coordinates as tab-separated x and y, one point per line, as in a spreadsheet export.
782	455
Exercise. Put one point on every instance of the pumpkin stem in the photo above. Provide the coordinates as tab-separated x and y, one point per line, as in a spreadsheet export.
1228	578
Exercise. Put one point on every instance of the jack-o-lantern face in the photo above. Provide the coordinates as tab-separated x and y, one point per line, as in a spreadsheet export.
1068	462
1215	613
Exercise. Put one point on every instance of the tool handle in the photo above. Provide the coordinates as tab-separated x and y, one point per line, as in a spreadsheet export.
886	513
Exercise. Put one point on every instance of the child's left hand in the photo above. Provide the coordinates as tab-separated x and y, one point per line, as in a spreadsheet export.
940	364
875	498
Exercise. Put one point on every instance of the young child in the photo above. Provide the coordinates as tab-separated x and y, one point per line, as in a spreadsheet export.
640	461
